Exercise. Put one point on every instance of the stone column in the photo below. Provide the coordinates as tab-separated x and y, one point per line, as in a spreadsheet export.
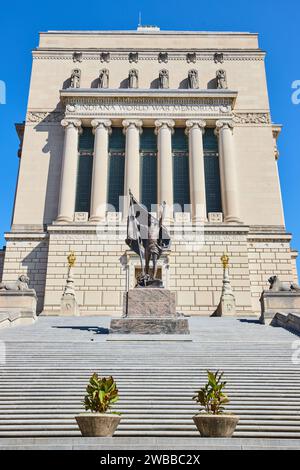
101	130
67	195
195	131
229	189
132	131
164	130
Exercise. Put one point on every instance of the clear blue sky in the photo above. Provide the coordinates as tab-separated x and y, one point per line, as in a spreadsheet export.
276	22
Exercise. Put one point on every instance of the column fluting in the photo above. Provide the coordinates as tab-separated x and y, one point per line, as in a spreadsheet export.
132	131
229	188
195	131
164	130
101	130
67	195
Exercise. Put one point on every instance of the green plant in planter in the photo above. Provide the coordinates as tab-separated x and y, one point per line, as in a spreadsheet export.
102	393
211	397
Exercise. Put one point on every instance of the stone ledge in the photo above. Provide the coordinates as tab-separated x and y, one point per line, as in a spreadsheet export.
290	321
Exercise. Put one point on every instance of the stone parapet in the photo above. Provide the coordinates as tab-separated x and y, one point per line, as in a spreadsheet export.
16	318
274	302
18	301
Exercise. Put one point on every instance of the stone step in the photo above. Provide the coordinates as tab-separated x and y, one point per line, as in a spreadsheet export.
174	434
142	421
43	382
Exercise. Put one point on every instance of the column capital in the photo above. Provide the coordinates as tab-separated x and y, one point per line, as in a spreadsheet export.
71	122
163	123
130	123
101	124
192	124
223	125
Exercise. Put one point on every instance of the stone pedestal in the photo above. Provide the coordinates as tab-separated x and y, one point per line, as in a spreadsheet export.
69	305
227	305
19	304
18	301
278	302
149	311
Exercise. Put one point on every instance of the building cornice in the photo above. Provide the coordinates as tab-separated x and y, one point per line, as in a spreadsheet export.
123	54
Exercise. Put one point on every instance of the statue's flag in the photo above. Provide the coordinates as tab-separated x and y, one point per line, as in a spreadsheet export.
138	223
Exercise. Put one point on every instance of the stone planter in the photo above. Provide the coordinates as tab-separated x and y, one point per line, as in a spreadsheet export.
97	424
216	425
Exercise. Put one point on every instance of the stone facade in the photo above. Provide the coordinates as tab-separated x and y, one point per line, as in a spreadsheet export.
2	254
62	102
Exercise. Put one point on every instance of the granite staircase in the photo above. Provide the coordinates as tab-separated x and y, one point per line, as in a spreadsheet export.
47	365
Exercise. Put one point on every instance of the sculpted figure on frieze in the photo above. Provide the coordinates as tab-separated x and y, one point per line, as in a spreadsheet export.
221	79
75	78
193	79
163	78
103	78
133	78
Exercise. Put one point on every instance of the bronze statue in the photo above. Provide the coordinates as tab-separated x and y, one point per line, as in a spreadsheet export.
147	237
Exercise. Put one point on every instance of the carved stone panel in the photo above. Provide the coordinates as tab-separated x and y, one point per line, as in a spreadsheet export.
215	217
77	56
219	58
133	57
163	57
191	57
105	57
81	217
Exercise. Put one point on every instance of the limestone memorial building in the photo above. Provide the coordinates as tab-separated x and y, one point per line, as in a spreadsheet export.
175	116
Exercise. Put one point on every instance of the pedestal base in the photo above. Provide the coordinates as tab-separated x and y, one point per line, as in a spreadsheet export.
149	302
69	307
226	307
149	311
150	326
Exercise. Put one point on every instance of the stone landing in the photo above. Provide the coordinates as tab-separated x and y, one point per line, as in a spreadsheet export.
149	311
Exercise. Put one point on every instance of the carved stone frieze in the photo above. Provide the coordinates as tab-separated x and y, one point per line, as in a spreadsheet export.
251	118
36	117
149	106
